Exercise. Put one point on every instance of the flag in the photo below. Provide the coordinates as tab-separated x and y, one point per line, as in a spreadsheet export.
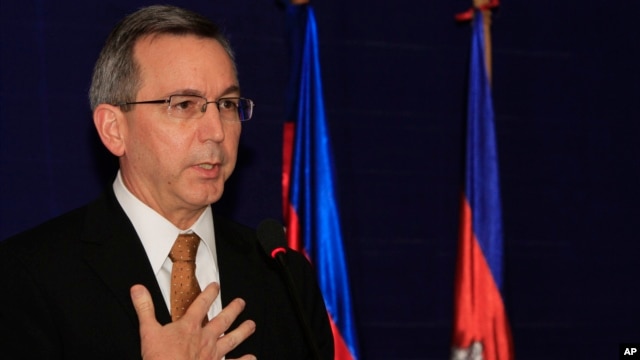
309	199
481	329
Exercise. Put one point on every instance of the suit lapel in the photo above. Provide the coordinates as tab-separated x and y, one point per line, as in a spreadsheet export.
233	252
239	278
113	249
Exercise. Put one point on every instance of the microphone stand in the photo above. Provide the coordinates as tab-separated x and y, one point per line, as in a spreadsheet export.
306	328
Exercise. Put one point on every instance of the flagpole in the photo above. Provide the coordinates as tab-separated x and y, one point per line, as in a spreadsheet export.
485	5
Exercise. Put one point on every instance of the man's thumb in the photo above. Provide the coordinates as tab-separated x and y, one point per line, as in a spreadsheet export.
143	304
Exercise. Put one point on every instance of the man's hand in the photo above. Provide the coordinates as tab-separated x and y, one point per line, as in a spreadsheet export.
187	339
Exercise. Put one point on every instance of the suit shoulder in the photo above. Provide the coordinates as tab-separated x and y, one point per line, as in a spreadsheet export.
52	227
234	234
225	224
46	238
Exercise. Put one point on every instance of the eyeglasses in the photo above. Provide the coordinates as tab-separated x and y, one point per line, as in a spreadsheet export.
188	107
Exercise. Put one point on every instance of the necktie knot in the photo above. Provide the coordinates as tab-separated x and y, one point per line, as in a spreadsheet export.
185	248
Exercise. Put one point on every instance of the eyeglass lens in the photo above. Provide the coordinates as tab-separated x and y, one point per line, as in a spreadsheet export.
193	106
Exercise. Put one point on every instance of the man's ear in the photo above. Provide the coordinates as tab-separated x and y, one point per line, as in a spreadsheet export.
110	124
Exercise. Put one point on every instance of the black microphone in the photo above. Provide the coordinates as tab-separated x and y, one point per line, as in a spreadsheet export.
272	239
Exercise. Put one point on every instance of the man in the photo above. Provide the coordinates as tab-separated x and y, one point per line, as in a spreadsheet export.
90	284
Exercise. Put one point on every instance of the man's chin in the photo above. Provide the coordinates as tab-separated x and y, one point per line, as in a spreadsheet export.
209	197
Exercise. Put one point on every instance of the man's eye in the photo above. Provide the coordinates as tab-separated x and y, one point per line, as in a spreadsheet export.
184	105
228	104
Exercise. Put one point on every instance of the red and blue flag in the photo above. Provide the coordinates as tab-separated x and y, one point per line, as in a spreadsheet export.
309	195
481	328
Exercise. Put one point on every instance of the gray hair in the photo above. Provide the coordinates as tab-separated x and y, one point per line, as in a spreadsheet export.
116	75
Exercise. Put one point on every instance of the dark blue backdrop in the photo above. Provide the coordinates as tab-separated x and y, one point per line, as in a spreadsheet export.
566	92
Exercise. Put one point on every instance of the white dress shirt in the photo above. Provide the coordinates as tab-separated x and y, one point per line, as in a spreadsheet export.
158	235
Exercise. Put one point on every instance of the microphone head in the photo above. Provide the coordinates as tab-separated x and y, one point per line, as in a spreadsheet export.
271	237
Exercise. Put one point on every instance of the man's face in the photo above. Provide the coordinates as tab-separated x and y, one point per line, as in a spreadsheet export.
178	167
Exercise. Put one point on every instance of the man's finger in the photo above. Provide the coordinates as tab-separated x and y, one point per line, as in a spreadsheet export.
201	305
226	317
230	340
143	304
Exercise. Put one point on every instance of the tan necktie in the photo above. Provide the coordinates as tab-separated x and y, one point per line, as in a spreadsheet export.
184	285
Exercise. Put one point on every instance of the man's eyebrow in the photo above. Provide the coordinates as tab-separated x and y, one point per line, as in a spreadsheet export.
188	91
233	89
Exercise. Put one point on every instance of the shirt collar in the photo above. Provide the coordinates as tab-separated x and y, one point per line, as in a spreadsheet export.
156	233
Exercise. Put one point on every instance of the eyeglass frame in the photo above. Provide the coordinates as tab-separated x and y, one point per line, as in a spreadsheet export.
204	106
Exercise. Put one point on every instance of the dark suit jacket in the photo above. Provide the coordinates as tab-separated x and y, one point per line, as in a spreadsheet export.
64	290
